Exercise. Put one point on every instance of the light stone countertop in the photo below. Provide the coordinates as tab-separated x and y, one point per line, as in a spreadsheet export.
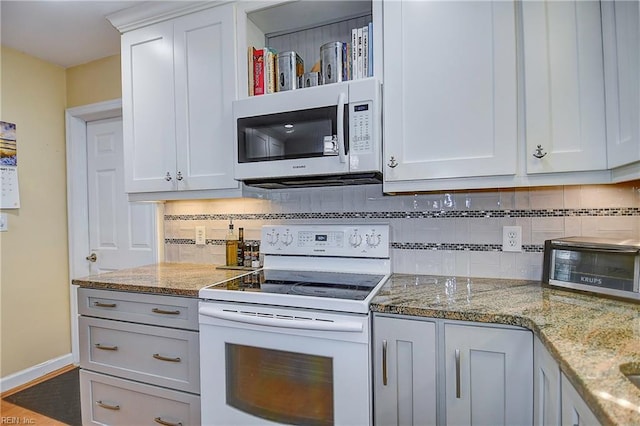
172	279
590	337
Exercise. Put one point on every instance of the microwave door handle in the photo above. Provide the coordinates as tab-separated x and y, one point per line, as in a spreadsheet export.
342	149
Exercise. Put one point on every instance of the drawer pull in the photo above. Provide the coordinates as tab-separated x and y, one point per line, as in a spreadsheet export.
162	311
104	305
106	348
166	423
164	358
108	406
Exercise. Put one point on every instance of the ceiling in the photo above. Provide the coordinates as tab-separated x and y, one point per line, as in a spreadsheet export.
62	32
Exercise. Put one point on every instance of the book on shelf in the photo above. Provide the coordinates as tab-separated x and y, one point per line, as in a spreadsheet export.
362	52
262	71
370	52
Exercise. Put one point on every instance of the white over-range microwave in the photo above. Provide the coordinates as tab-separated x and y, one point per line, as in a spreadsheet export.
315	136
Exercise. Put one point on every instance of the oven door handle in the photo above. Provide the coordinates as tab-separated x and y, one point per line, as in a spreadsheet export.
345	326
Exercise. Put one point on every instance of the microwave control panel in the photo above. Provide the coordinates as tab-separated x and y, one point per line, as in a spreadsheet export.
360	127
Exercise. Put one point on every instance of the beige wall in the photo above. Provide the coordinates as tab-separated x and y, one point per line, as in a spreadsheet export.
34	276
34	302
93	82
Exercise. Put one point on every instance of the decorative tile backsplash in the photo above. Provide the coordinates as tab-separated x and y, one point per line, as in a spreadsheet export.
448	233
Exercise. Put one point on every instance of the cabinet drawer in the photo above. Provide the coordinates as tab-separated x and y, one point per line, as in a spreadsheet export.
160	356
107	400
166	311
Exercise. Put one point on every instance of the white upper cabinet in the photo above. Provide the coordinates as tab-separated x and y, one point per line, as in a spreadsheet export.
621	34
564	86
450	92
179	80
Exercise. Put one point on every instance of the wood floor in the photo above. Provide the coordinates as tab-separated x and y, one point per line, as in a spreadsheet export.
11	414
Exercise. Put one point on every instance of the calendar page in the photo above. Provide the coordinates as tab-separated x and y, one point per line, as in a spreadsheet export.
9	194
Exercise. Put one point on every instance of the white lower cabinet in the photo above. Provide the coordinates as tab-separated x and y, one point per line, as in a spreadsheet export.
446	372
139	358
575	411
488	375
108	400
546	387
404	371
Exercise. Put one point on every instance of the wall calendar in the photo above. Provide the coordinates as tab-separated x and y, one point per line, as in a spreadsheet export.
9	195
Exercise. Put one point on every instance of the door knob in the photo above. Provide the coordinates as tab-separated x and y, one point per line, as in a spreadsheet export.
92	257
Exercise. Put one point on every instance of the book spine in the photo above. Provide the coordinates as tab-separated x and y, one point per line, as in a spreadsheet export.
365	51
354	53
258	72
370	27
269	71
359	61
250	71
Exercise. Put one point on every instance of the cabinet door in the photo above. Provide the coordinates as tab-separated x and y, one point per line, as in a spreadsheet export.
449	90
575	411
621	39
205	71
404	372
488	376
564	86
546	387
148	113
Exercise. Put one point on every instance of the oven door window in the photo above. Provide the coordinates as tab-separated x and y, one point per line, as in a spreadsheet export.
290	135
281	386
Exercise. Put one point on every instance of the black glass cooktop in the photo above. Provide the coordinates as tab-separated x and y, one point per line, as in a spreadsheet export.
334	285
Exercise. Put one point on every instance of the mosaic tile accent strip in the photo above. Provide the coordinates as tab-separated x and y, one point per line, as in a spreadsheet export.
398	246
462	247
439	214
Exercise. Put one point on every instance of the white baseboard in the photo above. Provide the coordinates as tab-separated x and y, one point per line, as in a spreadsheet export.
32	373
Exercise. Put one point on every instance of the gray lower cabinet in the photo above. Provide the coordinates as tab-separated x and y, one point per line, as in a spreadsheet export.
139	358
449	372
404	371
488	375
546	387
575	411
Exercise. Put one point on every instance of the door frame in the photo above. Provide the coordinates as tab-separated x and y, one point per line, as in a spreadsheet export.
76	120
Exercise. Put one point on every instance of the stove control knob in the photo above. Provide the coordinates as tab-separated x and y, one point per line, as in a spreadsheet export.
272	237
355	239
287	238
373	239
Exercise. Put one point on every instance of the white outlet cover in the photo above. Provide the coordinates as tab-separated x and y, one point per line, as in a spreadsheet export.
200	236
4	222
512	238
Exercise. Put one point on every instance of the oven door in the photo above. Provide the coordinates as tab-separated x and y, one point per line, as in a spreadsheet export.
265	365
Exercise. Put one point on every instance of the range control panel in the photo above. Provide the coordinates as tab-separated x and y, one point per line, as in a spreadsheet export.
327	240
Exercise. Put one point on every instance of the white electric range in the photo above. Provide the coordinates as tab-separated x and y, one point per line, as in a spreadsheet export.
289	344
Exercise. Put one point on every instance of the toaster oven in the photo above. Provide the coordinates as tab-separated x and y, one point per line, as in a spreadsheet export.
597	265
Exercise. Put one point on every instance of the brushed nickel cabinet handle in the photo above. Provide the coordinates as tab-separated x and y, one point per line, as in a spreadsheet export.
104	305
166	423
162	311
384	362
106	348
164	358
108	406
458	373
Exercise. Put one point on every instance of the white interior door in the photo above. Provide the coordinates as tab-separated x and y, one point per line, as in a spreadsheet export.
121	233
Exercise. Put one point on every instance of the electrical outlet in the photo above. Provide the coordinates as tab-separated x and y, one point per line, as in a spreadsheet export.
512	238
200	236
